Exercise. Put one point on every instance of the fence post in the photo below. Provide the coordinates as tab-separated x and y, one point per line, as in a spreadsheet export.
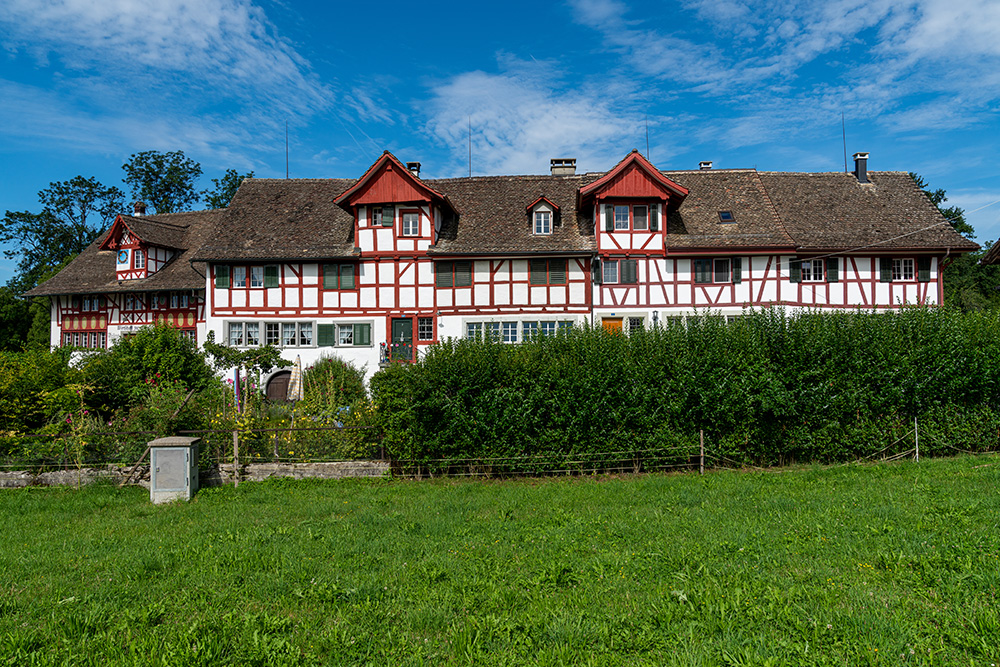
701	458
916	440
236	458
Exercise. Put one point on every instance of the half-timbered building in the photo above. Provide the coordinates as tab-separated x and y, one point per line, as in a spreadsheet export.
376	268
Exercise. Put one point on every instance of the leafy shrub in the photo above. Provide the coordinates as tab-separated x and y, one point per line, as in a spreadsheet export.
766	388
330	384
33	388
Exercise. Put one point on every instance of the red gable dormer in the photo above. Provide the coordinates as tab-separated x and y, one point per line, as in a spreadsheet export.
142	246
543	200
388	181
634	177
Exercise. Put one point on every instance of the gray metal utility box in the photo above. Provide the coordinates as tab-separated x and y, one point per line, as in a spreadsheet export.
173	469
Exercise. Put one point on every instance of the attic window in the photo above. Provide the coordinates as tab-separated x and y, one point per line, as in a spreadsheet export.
726	217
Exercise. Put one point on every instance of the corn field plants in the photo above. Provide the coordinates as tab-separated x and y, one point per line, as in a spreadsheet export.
848	565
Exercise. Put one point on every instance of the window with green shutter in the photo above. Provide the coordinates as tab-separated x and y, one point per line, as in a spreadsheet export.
326	335
346	276
737	269
629	272
339	276
795	270
388	216
654	217
537	271
363	334
885	269
924	269
444	275
703	271
557	271
222	277
271	276
330	276
832	269
609	218
463	274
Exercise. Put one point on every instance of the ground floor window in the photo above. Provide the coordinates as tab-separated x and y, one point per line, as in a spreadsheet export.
425	328
507	332
902	269
283	334
95	340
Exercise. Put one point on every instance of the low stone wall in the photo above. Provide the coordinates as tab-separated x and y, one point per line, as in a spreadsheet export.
253	472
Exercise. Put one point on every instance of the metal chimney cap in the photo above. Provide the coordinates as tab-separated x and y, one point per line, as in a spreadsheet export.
705	165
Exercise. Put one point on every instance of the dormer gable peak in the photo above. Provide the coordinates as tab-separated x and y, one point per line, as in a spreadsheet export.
634	177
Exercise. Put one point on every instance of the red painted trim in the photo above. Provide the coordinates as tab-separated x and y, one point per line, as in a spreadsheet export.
637	159
543	198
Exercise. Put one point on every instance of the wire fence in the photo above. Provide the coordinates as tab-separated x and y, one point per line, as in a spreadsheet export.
329	444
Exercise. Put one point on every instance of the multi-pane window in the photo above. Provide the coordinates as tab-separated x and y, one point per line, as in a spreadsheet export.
179	300
720	270
902	269
474	330
453	274
239	276
623	271
288	334
425	328
635	324
812	270
529	330
140	258
509	332
345	334
339	276
543	222
610	271
621	217
350	333
376	216
383	216
411	224
721	273
547	271
253	334
133	303
547	328
305	333
236	334
493	330
190	334
640	217
91	303
256	276
272	333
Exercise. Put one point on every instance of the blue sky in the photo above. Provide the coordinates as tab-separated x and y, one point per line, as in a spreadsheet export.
86	83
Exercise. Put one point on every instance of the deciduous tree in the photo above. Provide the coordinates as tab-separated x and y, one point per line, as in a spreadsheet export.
165	181
225	188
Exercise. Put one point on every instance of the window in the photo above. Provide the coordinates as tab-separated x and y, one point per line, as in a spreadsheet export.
509	332
547	271
902	269
352	333
222	277
493	330
425	328
235	334
271	276
345	334
565	325
474	330
411	224
287	335
635	324
453	274
621	217
92	303
239	276
140	258
812	270
638	217
339	276
305	333
543	222
726	217
719	270
272	334
376	216
386	216
179	300
190	334
547	328
529	330
133	303
256	276
253	334
624	271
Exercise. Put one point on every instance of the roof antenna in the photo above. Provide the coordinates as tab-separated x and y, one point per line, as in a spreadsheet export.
470	147
286	150
647	136
843	129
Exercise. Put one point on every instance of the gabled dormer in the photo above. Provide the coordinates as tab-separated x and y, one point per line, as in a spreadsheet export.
142	246
543	215
631	204
394	211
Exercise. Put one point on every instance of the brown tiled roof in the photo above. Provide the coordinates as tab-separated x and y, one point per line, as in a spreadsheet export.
992	256
154	231
492	218
696	223
93	270
833	211
273	219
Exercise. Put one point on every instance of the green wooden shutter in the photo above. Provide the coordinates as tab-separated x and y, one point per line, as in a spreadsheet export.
330	276
270	276
924	269
444	274
326	335
609	218
832	269
388	216
654	217
885	269
362	334
795	270
596	274
222	277
630	273
536	271
463	274
703	270
737	264
557	271
346	276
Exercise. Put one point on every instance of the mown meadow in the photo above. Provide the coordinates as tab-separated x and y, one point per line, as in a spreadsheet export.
847	565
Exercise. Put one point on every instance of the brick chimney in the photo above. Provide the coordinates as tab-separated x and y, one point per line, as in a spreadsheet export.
139	208
861	167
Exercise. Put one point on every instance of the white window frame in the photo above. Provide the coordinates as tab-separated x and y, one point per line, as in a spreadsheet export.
411	224
609	272
716	265
140	258
474	330
812	270
256	276
239	276
903	268
425	329
635	218
622	224
543	222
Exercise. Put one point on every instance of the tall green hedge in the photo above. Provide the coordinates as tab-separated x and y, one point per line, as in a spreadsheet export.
767	388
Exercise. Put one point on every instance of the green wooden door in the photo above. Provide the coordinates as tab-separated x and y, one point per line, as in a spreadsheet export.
402	339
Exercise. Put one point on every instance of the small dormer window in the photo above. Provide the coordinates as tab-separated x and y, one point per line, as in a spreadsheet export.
726	217
543	222
140	258
411	224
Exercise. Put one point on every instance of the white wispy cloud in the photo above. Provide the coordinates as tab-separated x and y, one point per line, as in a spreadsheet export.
525	114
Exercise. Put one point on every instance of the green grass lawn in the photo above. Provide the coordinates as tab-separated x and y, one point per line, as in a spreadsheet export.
849	565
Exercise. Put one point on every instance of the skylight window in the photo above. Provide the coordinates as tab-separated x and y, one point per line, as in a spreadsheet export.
726	217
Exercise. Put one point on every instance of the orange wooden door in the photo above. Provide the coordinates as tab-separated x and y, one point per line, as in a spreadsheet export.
612	324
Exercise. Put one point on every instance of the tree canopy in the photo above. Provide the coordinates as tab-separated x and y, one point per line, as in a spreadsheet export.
953	214
225	188
165	181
